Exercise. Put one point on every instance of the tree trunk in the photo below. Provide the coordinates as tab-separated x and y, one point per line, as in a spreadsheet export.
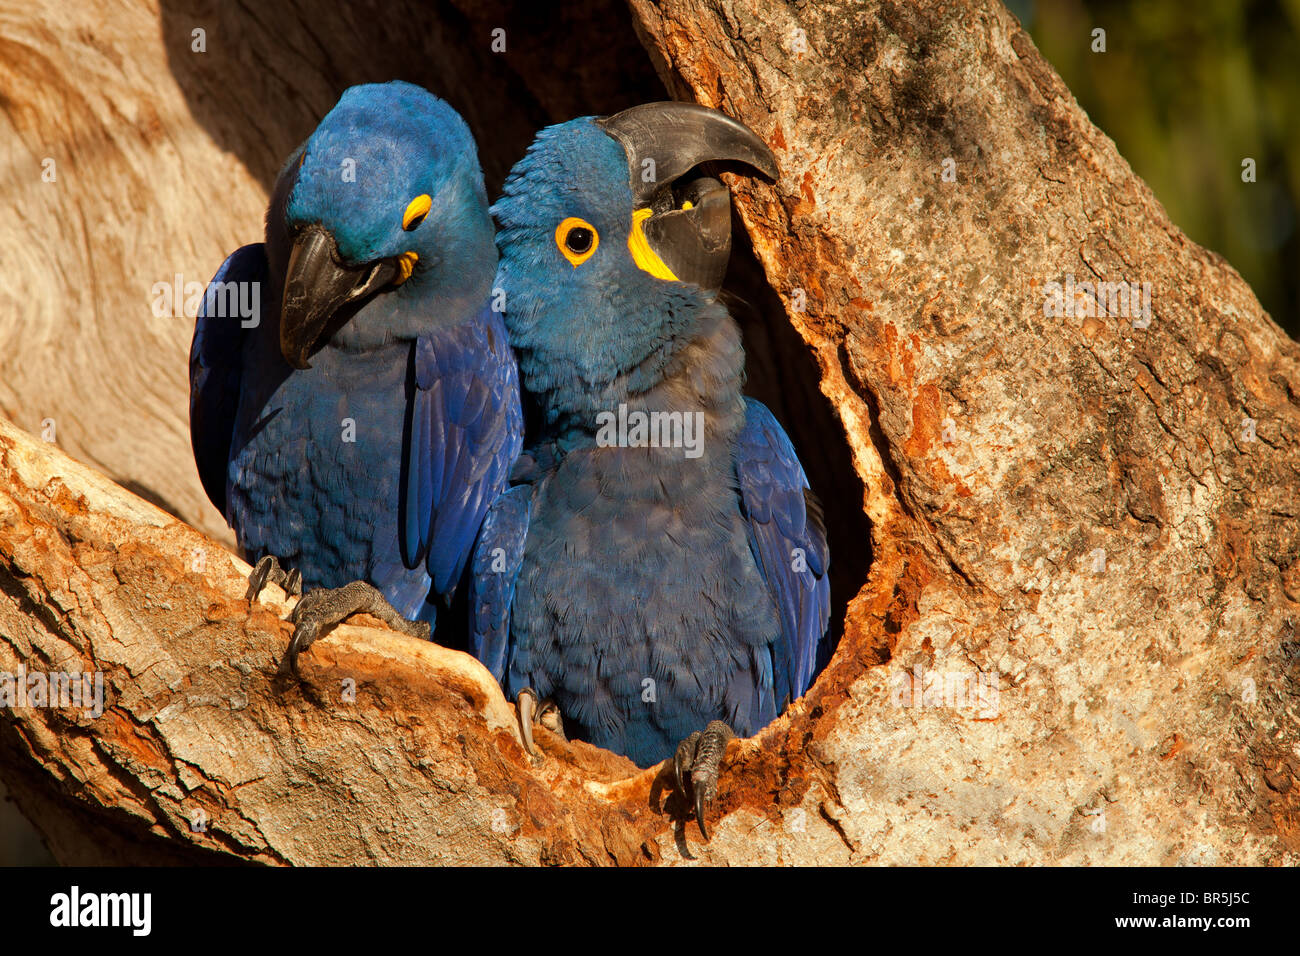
1073	643
1096	512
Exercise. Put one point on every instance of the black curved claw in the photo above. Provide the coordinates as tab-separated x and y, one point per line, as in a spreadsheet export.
699	814
682	760
305	631
269	569
257	579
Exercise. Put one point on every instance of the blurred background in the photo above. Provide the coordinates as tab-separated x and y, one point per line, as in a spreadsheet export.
1188	91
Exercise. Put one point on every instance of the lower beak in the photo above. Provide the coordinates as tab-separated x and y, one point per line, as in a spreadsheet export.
693	239
317	286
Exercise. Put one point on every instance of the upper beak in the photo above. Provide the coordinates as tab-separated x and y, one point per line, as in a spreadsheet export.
316	286
689	228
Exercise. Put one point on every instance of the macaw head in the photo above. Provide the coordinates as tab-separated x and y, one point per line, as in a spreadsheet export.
612	239
386	197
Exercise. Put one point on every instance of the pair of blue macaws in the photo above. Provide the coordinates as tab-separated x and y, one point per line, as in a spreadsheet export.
365	439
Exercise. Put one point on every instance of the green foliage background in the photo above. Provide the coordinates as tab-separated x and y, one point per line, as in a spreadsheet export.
1188	89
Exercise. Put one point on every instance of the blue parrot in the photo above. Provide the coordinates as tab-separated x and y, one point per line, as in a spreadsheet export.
658	571
355	431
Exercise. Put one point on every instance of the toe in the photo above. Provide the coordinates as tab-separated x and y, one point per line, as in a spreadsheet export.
257	577
683	760
549	717
699	761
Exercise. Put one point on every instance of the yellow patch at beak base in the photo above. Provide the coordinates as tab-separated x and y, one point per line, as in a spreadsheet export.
405	266
646	258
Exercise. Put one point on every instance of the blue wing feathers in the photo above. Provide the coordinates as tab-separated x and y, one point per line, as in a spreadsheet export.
498	557
788	538
216	364
467	434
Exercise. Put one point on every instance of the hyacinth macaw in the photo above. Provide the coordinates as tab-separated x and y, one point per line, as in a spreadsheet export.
661	597
354	437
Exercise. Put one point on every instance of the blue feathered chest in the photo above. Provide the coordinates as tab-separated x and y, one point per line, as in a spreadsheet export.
315	469
640	608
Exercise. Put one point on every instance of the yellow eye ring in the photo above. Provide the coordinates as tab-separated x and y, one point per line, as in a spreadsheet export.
416	211
577	239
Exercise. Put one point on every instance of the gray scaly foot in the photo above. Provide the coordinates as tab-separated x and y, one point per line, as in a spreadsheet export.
697	764
321	609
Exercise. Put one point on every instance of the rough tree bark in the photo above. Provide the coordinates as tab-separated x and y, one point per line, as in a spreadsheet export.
1095	517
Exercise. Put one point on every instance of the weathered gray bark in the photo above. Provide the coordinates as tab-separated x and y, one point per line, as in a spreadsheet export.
1074	508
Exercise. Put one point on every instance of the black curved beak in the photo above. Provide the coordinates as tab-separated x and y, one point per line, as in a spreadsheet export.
689	228
317	286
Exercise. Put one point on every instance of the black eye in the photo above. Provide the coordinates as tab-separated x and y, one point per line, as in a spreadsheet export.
579	239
